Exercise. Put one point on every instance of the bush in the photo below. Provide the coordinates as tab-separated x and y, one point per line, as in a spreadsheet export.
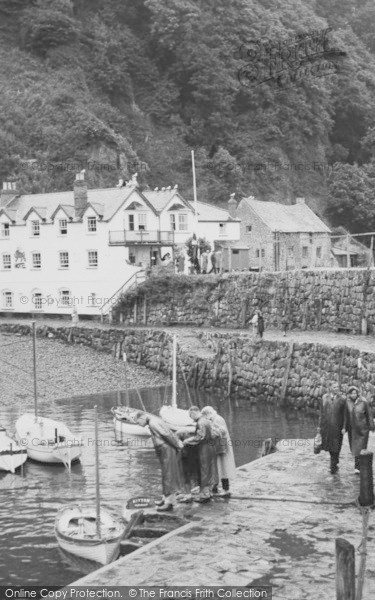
47	26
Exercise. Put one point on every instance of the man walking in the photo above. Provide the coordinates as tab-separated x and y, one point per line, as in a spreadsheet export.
166	446
332	412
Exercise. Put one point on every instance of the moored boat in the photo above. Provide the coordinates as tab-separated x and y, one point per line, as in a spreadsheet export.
174	416
12	455
76	533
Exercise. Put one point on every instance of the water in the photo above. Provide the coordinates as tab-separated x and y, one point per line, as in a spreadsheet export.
29	552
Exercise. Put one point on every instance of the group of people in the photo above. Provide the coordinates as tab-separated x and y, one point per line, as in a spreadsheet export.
201	459
339	415
211	262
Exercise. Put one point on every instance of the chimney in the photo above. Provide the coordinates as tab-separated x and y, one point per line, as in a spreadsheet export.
232	206
80	193
300	201
8	192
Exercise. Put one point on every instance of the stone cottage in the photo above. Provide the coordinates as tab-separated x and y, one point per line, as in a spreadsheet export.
282	237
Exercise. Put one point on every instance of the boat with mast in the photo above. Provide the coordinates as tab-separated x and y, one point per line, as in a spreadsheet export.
12	455
174	416
46	440
90	531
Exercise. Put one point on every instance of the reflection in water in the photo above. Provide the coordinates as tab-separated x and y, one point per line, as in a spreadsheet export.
30	554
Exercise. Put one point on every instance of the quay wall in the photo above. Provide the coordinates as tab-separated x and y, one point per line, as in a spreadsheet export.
328	300
292	373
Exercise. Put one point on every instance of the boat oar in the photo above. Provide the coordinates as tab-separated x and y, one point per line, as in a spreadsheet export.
133	521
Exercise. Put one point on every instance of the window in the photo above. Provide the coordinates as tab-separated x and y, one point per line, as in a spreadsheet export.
65	299
319	252
305	251
36	260
248	228
7	261
182	222
63	226
173	222
92	299
5	231
91	224
257	253
93	258
222	229
131	222
64	260
7	299
263	253
132	259
35	228
142	220
37	301
291	252
311	238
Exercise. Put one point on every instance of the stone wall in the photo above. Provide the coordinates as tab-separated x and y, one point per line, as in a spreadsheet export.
312	299
276	372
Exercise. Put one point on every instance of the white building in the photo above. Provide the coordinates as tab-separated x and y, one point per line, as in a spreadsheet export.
77	248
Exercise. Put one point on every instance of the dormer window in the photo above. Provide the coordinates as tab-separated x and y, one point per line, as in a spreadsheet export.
5	230
63	226
183	222
91	224
142	221
35	228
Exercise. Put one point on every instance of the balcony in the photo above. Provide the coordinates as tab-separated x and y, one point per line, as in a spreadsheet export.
141	237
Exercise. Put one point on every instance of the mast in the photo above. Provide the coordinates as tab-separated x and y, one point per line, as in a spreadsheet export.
195	204
124	358
174	373
35	383
97	482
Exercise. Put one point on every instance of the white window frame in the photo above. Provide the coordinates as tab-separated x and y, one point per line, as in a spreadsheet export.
92	264
318	252
142	221
61	261
36	264
92	224
8	295
172	221
38	305
182	222
63	229
35	228
305	252
6	265
5	230
65	297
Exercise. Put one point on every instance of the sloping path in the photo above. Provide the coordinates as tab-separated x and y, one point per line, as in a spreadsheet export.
279	528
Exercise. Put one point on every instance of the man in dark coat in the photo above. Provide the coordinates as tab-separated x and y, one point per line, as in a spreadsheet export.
358	423
260	324
204	439
332	411
166	445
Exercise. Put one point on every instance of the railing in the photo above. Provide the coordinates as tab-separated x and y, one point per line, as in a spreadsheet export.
141	236
133	281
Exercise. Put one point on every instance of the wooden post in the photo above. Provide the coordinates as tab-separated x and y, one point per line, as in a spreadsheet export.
363	552
229	258
366	492
345	570
35	382
135	311
348	251
144	311
286	373
371	252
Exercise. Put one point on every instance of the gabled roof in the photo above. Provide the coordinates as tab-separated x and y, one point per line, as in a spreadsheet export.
295	218
210	212
11	214
40	211
97	208
161	198
68	210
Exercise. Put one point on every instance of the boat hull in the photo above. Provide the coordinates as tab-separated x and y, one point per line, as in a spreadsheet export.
12	455
176	417
75	539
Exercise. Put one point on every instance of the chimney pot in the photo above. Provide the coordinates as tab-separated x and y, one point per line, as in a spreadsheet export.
300	201
8	192
80	193
232	206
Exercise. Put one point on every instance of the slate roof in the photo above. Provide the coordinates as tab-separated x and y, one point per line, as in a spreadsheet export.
209	212
295	218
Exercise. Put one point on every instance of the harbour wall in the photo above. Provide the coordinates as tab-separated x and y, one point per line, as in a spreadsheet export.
292	373
330	300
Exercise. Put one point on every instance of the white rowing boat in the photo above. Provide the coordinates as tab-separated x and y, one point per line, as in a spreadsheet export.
127	427
12	455
174	416
76	533
47	441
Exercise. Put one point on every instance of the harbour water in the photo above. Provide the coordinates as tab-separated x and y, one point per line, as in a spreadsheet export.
29	502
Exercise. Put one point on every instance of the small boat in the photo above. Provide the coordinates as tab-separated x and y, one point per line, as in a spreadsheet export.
124	418
76	533
175	417
12	455
48	441
90	532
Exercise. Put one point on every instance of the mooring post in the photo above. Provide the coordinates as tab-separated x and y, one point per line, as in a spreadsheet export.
345	570
366	491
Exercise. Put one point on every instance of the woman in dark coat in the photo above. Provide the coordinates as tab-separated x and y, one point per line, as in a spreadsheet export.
358	423
260	324
332	414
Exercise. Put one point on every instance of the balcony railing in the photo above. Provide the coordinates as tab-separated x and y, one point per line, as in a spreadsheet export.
141	236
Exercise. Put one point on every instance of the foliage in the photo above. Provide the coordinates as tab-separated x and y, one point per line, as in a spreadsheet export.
202	245
48	24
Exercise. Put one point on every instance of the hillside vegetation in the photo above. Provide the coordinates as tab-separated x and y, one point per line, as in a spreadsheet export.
136	84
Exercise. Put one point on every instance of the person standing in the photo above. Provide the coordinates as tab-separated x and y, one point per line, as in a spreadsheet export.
260	324
358	423
226	465
331	423
219	260
204	439
204	261
284	322
254	323
166	445
213	262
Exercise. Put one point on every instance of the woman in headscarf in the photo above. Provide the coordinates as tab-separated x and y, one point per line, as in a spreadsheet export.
331	423
358	423
224	450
